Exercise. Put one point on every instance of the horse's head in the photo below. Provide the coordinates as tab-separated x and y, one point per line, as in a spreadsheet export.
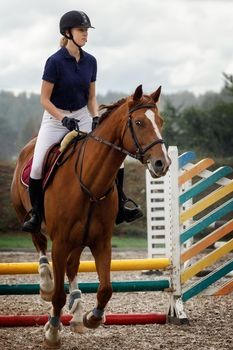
143	134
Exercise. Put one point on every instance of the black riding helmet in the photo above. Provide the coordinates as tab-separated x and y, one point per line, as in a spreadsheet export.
74	19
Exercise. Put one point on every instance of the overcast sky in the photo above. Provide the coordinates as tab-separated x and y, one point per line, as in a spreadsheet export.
179	44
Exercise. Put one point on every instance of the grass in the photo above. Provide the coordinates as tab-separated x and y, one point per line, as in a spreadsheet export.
14	241
129	242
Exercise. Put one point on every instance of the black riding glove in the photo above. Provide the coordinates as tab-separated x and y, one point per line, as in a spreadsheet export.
95	122
70	123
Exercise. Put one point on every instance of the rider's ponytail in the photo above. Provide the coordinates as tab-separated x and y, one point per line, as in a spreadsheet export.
63	41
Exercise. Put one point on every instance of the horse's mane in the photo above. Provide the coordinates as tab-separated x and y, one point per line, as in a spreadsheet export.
109	108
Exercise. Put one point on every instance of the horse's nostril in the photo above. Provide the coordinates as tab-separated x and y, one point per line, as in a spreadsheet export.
159	164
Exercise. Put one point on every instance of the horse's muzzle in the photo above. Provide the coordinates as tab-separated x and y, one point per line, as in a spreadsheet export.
158	167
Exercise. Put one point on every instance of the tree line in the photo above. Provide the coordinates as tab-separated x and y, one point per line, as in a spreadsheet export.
203	123
206	128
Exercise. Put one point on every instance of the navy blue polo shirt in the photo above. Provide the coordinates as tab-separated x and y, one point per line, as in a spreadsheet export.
71	79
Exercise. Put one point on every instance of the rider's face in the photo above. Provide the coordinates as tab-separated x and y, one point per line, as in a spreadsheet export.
80	35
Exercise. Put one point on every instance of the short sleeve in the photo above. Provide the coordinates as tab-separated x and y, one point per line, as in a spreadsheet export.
50	71
94	72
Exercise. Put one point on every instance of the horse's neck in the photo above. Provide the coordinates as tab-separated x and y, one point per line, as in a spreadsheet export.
101	162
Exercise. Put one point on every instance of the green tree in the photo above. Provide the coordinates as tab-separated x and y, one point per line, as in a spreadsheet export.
171	117
208	131
228	82
219	128
7	140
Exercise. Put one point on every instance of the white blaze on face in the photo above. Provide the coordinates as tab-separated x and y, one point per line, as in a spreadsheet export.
151	116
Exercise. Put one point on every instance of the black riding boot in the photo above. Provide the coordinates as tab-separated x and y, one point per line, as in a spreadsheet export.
33	225
125	213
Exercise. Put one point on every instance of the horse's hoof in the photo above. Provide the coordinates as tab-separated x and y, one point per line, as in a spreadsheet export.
52	339
90	321
46	296
47	344
77	327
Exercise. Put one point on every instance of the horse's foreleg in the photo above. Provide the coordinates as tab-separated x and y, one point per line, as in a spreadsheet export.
75	299
102	255
53	326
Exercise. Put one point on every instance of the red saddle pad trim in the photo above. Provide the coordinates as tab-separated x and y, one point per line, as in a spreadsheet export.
48	166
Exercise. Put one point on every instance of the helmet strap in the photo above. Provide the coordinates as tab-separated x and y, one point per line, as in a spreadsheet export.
70	37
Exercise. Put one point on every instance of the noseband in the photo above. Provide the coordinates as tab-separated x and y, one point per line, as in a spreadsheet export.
140	152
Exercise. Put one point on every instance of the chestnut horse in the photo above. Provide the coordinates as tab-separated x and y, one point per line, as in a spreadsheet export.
81	203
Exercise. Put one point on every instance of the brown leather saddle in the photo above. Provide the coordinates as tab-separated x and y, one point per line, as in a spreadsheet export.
56	155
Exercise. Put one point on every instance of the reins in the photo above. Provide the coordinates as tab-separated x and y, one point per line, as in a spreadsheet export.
92	199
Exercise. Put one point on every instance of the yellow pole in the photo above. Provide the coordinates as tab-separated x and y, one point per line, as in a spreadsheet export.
89	266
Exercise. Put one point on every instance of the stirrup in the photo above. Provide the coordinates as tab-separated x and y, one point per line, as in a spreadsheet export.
128	214
131	214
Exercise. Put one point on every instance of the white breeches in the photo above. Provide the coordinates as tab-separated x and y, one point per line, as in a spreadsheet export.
52	131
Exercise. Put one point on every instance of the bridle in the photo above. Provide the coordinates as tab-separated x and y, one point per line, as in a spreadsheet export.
140	152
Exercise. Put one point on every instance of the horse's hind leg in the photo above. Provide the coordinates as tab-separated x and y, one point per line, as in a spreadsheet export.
52	328
39	241
75	301
102	255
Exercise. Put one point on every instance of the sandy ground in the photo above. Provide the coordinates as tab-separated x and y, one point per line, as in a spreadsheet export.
211	318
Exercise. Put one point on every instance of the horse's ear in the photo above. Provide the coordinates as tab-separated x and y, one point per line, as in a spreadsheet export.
138	93
155	95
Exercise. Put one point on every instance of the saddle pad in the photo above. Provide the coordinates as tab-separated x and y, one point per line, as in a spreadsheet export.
54	154
49	166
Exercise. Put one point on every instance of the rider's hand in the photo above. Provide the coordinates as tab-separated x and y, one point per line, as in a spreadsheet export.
70	123
95	122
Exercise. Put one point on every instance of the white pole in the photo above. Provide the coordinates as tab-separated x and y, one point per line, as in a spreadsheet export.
176	311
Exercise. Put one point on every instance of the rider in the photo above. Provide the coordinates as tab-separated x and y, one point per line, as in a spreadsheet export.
68	97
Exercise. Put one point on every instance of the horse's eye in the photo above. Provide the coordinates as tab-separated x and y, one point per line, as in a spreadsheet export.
138	123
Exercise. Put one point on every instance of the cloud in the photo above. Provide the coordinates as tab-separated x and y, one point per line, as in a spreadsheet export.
177	44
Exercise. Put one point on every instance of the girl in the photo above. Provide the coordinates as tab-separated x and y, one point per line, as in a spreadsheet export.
69	99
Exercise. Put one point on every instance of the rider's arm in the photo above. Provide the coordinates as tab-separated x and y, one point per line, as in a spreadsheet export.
92	101
46	92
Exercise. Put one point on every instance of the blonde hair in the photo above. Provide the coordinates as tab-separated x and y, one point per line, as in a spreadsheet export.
63	41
